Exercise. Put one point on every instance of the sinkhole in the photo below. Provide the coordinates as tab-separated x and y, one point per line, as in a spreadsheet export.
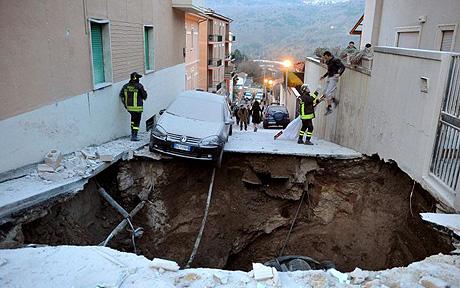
355	213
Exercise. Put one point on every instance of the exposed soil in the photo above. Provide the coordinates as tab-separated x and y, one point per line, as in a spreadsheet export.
355	213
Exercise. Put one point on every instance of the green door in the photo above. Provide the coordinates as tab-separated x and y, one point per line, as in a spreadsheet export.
98	53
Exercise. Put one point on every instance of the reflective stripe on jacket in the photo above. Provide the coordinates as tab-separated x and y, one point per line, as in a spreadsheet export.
306	106
133	96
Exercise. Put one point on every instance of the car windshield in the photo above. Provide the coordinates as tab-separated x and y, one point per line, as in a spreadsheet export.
277	109
197	109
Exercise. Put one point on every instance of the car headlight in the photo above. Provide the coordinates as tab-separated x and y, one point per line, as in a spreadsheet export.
159	132
210	141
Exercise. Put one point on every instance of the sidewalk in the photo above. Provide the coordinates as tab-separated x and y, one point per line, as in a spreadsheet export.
262	142
32	189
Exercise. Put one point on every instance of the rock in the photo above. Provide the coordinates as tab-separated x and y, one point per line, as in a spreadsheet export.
191	277
262	272
105	157
433	282
53	158
251	178
45	168
47	176
358	276
341	277
164	264
88	155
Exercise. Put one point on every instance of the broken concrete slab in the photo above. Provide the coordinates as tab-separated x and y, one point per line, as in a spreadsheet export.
45	168
262	142
89	155
433	282
262	272
166	265
449	221
250	177
53	158
105	157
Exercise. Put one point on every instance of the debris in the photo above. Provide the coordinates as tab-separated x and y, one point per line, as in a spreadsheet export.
358	276
105	157
432	282
341	277
49	176
191	277
220	279
166	265
262	272
45	168
251	178
3	262
88	155
53	158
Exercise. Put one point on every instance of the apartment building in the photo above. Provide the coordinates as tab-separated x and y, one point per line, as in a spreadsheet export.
63	64
214	33
419	24
230	68
192	50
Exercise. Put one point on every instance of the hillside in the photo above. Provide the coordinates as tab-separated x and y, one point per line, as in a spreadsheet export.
278	28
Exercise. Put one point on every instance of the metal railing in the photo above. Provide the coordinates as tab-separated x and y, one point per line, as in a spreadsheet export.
445	164
215	38
215	62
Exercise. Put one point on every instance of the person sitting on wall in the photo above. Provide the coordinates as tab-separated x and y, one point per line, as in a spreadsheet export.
335	69
349	51
133	95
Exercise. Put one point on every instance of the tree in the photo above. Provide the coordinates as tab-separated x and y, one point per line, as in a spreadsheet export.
238	56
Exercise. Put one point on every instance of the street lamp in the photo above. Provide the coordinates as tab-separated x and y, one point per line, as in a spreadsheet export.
287	64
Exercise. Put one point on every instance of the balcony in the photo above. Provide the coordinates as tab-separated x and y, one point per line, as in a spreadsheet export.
232	38
215	38
191	6
214	63
214	86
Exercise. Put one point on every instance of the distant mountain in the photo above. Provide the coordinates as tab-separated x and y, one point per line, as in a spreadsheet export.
279	28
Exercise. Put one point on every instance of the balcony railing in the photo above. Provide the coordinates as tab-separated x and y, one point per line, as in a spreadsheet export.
214	86
215	38
214	63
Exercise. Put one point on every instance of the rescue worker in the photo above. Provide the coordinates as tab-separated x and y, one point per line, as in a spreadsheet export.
307	103
133	96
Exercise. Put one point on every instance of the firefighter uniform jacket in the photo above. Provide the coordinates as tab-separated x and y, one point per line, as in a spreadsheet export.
307	104
133	95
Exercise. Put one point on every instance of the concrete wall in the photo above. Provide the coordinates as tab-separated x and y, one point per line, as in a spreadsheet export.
45	48
383	18
192	51
386	113
86	119
47	95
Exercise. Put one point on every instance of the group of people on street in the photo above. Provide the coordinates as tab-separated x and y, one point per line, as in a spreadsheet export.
244	112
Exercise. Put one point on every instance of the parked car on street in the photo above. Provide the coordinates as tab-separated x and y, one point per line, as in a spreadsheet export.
276	115
196	125
248	95
259	96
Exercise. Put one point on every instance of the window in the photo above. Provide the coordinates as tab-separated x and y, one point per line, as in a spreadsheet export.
149	49
193	38
100	53
408	37
446	40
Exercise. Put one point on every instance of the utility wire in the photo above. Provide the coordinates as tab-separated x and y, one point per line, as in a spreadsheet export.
203	222
293	222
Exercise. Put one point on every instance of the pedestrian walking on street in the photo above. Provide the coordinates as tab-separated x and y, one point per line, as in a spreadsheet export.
335	69
243	114
133	96
307	103
256	115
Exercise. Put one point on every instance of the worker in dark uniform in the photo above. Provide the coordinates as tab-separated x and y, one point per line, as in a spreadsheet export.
133	96
307	103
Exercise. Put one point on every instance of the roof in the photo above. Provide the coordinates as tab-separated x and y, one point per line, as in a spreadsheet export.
357	29
203	96
212	13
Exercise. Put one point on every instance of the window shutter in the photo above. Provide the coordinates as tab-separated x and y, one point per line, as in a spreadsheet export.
447	37
408	39
98	53
147	49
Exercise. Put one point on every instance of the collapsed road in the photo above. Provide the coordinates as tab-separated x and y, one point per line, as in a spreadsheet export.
356	212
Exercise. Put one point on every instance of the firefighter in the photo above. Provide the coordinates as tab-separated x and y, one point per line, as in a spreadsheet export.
133	96
307	103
